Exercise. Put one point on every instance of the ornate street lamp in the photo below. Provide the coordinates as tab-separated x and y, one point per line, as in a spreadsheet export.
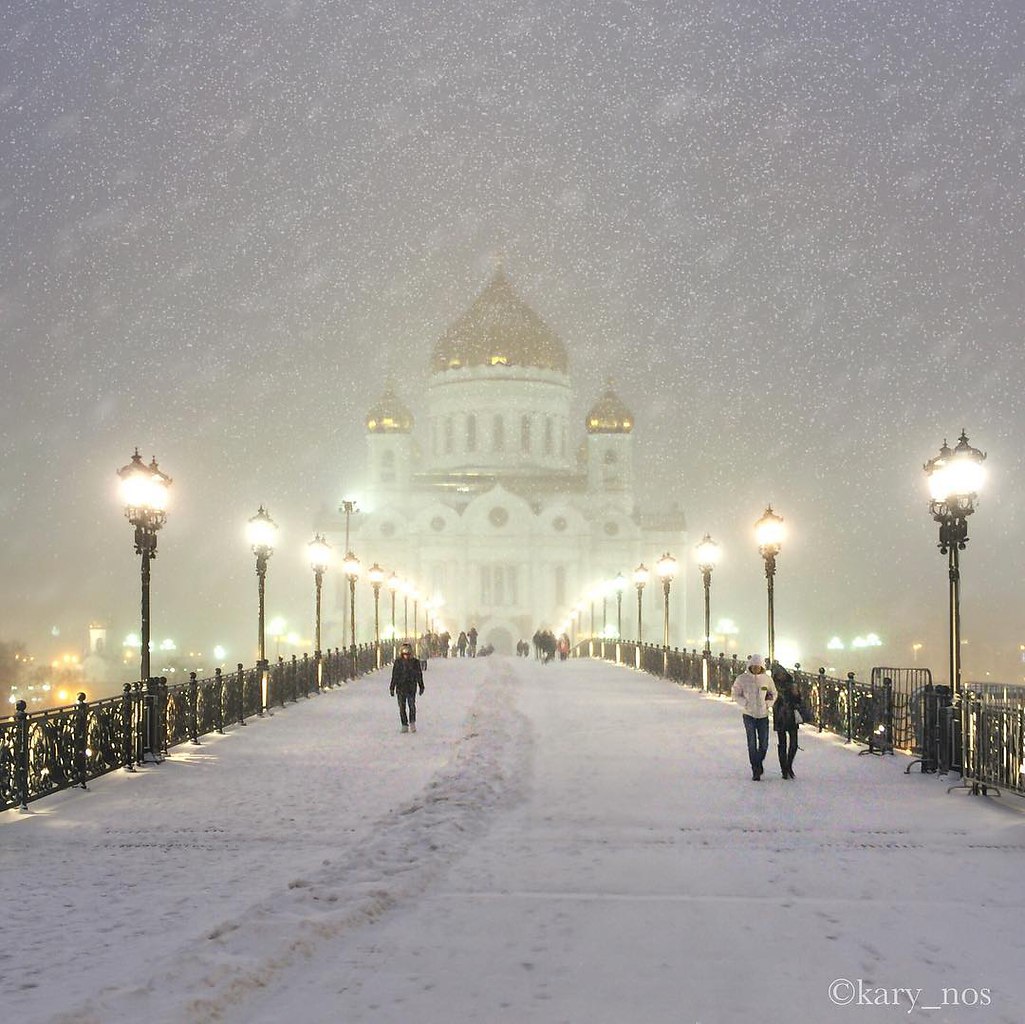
376	576
144	493
262	532
407	589
320	559
955	478
769	533
619	584
414	593
708	557
666	568
394	586
351	568
641	577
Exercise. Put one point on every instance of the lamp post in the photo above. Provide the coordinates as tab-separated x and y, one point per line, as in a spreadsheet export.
394	586
406	588
769	534
376	577
262	532
708	557
619	585
320	559
351	568
641	577
666	568
144	493
955	478
347	508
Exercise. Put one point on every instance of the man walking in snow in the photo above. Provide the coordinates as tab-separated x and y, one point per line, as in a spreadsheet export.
406	679
753	690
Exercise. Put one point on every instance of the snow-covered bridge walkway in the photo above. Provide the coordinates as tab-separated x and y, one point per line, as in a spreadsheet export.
574	842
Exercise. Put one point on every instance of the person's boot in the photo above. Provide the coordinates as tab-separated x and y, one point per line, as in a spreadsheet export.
405	728
412	726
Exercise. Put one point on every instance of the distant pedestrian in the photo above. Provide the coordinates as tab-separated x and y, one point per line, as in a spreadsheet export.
406	679
461	642
471	642
754	693
787	715
563	647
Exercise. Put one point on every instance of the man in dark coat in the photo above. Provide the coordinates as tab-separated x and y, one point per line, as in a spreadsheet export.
406	680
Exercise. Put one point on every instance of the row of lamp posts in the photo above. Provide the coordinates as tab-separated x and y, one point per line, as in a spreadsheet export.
144	494
955	477
769	532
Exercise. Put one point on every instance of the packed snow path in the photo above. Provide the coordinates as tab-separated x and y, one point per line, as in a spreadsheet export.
565	843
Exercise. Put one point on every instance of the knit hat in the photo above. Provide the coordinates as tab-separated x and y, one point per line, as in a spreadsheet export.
756	660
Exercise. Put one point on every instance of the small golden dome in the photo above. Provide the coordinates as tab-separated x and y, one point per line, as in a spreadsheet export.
609	415
389	415
499	329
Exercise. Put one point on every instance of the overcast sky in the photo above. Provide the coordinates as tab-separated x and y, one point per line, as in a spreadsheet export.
791	232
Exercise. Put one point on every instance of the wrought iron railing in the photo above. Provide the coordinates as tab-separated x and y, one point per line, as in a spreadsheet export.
898	709
44	752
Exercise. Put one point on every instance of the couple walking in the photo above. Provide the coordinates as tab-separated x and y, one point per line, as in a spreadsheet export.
755	692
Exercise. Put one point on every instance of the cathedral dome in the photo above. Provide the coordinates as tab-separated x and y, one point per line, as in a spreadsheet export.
389	415
609	415
499	329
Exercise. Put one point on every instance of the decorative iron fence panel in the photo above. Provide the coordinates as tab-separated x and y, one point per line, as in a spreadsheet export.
44	752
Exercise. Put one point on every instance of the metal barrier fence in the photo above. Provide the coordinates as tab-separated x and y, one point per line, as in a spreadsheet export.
44	752
899	709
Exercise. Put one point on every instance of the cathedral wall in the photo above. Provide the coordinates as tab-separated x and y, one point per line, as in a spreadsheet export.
498	418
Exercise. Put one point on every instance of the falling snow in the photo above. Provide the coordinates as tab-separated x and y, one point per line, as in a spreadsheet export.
791	232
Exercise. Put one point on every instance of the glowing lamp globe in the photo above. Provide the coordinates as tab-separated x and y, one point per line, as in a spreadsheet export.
262	531
319	553
769	530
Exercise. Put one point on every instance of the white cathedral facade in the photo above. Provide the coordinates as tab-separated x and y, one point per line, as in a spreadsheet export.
488	503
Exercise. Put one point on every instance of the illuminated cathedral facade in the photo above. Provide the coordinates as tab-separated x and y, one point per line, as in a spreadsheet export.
494	503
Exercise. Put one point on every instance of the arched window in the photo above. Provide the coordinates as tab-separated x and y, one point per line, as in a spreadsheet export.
387	467
525	433
471	433
449	435
549	435
498	434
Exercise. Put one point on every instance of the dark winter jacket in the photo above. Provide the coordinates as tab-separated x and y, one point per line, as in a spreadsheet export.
787	701
406	676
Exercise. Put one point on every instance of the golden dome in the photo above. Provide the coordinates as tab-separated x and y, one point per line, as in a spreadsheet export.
609	415
499	329
389	415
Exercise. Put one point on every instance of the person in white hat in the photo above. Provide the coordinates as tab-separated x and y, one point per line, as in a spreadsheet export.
754	692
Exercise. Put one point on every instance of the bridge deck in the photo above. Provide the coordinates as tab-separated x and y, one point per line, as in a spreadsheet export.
573	842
